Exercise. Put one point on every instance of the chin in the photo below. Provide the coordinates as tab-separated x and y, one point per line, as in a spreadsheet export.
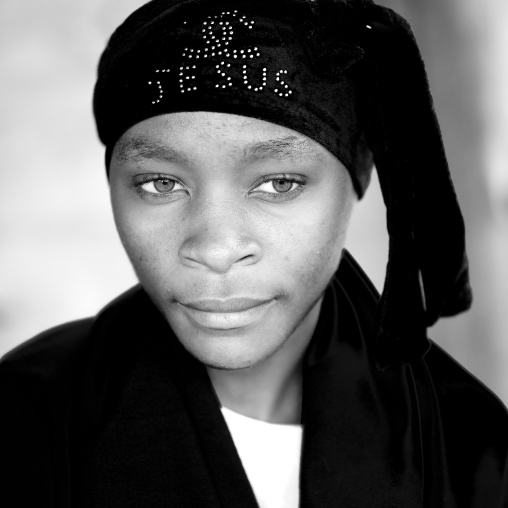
234	349
229	364
231	353
221	344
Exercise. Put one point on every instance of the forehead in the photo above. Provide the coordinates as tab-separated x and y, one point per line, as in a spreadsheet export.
230	135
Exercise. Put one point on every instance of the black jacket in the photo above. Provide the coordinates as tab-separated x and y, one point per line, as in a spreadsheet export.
113	412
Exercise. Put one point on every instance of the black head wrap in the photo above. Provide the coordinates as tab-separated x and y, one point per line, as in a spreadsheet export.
346	73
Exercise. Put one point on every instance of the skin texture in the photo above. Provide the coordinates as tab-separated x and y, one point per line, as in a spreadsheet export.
220	232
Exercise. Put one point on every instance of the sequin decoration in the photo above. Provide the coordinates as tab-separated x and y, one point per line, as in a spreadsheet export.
283	90
159	86
218	35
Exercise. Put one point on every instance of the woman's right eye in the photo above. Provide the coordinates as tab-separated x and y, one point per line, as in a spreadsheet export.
159	186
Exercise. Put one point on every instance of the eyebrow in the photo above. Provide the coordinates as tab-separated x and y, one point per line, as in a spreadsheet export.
287	148
290	147
139	148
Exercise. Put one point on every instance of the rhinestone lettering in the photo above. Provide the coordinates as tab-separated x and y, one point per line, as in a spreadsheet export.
285	90
218	34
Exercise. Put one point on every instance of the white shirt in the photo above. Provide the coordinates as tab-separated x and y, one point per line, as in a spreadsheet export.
270	455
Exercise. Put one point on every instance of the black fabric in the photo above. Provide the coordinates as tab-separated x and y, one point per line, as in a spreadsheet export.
114	412
427	273
346	73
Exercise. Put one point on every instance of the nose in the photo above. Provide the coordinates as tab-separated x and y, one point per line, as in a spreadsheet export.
219	240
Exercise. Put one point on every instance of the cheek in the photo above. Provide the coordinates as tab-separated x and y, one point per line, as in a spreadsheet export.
151	247
314	245
322	250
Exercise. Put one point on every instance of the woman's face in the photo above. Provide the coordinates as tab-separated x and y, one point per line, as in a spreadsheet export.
234	227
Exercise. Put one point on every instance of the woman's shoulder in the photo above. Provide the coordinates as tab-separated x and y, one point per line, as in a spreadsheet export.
460	392
54	355
49	357
474	425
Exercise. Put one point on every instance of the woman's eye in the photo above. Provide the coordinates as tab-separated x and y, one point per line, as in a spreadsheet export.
160	186
279	185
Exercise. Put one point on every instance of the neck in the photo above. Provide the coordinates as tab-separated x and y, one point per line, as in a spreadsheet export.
271	390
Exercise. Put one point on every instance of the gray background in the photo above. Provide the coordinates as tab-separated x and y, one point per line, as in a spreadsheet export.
60	258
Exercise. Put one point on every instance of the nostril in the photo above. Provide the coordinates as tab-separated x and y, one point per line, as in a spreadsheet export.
219	250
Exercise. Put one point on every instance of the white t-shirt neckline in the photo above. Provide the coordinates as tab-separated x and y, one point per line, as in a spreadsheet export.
270	455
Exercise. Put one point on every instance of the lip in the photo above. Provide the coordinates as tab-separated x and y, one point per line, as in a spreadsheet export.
229	305
226	314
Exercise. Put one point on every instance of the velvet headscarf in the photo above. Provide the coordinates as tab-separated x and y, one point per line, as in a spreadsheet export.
346	73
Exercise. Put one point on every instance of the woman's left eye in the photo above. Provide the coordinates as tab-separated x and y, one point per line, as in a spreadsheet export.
280	185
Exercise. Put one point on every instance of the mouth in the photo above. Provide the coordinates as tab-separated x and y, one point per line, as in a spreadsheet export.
226	314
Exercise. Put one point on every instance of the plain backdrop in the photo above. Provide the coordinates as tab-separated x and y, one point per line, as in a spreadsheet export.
60	258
